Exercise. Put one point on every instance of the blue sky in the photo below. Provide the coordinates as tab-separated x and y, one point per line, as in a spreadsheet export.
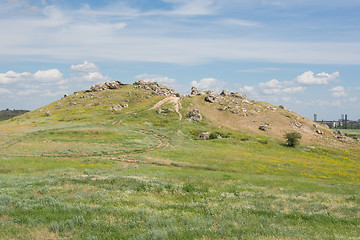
304	54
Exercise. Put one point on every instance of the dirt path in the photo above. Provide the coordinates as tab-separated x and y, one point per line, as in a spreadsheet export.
175	100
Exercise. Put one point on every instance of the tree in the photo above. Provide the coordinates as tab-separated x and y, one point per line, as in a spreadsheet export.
292	138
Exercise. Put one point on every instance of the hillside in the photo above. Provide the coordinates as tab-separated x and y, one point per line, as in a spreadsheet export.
121	161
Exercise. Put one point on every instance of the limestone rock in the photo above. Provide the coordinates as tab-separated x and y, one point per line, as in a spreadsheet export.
195	115
234	111
224	93
195	91
211	96
204	136
106	85
157	89
47	113
319	132
238	95
116	108
264	126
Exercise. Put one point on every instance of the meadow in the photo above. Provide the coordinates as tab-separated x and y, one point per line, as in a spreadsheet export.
135	174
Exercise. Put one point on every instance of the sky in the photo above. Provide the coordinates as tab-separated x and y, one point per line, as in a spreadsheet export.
302	54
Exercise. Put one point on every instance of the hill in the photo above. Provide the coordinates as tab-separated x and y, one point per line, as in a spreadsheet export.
122	161
7	114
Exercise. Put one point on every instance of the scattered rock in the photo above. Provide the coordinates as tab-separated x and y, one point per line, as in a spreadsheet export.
234	111
264	126
116	108
211	96
195	91
297	124
238	95
281	106
65	95
315	125
72	103
319	132
195	115
224	93
246	101
47	113
223	108
204	136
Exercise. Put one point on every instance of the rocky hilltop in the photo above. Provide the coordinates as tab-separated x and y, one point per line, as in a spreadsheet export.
224	110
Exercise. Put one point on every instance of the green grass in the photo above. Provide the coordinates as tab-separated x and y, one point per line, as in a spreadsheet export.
145	176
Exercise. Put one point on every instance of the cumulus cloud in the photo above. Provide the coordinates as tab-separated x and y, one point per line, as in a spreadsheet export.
51	75
247	89
338	91
85	67
208	83
155	78
89	72
11	77
309	78
294	89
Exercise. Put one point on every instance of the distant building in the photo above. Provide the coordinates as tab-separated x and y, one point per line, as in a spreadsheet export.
344	122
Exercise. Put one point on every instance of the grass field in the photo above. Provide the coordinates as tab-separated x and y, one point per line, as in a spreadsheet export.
135	174
353	133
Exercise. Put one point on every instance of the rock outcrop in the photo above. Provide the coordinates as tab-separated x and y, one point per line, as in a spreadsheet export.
211	96
157	89
195	115
195	91
106	85
224	93
238	95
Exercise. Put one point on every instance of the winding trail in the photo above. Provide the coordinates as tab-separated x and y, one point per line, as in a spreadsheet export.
171	99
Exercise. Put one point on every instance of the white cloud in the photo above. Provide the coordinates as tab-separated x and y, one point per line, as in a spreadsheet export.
57	33
239	22
309	78
338	91
11	77
51	75
4	90
271	84
294	89
208	83
89	72
194	7
85	67
247	89
92	77
155	78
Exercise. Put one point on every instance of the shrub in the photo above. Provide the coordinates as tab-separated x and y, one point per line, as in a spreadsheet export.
213	136
292	138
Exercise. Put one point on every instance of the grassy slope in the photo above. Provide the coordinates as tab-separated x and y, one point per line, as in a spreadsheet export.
89	173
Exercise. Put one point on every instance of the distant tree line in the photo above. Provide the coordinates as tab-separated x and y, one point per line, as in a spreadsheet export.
7	114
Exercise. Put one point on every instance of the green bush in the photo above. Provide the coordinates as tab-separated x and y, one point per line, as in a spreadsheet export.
292	138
